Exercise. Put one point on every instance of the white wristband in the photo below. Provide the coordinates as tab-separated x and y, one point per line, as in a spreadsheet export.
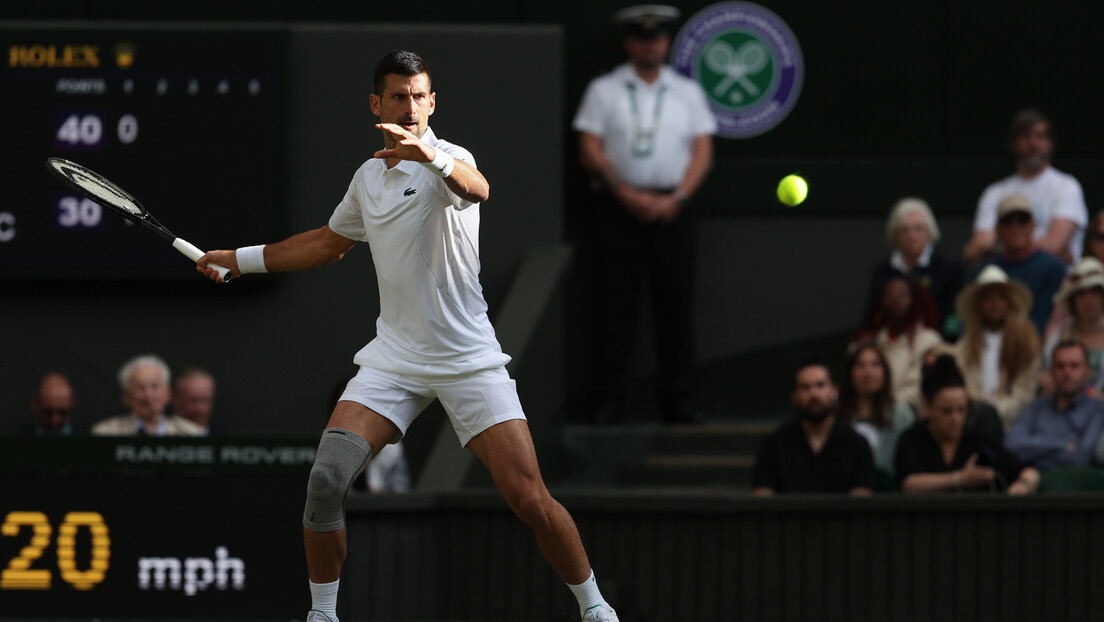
251	259
442	163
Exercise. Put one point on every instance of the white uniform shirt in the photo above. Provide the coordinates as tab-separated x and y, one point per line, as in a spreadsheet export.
1053	194
425	246
607	111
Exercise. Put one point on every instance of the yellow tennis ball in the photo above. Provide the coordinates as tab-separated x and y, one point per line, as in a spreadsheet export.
792	190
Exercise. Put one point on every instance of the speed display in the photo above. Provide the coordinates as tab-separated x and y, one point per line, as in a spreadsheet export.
188	120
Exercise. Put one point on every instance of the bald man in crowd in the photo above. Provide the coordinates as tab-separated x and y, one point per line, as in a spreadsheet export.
52	405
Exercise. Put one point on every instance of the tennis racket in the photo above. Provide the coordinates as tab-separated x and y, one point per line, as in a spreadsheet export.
114	198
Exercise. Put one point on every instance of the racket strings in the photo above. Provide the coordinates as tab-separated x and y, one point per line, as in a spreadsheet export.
108	192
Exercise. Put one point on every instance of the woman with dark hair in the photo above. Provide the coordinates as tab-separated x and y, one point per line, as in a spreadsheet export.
938	455
866	402
901	326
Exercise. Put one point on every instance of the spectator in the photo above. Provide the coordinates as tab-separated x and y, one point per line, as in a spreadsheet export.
387	472
1094	247
1022	261
900	327
999	350
866	402
646	138
815	453
1083	298
982	419
912	234
937	454
1055	198
145	382
194	397
52	406
1060	429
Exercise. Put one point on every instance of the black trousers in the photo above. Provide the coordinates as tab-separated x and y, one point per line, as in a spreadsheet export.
632	254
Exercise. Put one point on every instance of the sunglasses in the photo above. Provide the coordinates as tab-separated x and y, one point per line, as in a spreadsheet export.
1016	218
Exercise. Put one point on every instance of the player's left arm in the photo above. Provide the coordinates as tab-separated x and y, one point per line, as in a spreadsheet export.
1057	238
464	180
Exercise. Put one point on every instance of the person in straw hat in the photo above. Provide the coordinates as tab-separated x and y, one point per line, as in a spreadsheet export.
999	350
1083	298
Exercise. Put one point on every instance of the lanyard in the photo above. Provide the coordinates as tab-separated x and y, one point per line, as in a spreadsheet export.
643	143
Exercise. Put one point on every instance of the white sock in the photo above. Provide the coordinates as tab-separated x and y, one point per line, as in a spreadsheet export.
587	593
324	597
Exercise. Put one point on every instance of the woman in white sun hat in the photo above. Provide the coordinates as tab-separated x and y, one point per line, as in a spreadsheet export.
1083	297
999	351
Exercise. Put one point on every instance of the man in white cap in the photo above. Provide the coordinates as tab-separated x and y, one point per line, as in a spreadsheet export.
646	138
1055	197
1022	259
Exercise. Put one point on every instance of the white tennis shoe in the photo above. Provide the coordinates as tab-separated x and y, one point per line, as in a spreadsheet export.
315	615
600	613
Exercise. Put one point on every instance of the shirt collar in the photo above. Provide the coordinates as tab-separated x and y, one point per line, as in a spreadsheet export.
158	431
1074	405
630	77
896	260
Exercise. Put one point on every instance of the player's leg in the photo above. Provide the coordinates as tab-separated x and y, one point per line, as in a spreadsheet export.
324	530
353	435
508	453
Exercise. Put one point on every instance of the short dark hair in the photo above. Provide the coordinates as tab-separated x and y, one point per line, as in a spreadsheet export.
401	62
1024	120
1070	343
810	360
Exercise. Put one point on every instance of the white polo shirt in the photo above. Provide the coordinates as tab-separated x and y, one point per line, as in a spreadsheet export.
1053	194
425	246
674	106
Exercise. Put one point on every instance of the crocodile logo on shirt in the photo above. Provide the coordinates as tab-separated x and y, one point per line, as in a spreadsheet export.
409	191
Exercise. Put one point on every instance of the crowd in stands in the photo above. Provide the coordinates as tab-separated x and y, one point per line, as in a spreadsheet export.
980	374
158	406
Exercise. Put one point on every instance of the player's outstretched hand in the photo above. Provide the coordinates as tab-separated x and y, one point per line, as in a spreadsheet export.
407	146
227	259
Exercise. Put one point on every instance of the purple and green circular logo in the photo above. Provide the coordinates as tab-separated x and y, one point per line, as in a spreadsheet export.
748	62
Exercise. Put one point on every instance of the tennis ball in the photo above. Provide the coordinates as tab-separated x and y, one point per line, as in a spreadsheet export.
792	190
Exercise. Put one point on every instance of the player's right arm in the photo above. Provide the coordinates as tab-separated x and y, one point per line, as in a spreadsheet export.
304	251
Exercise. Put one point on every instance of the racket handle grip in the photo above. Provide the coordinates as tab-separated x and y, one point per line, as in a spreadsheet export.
190	251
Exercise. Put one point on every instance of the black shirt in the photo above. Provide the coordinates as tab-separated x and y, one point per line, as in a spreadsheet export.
786	463
918	452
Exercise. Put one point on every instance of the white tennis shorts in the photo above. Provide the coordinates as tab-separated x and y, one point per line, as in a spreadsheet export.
474	400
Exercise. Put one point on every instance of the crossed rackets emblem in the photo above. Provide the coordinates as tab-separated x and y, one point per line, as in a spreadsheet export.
735	66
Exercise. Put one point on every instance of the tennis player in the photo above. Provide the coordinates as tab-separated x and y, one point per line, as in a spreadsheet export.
416	203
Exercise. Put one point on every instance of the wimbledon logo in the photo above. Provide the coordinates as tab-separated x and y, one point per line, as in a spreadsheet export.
748	62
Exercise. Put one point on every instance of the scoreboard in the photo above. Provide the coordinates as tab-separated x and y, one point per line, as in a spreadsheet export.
191	121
